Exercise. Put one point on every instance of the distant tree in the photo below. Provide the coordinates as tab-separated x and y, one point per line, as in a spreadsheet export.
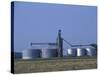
95	46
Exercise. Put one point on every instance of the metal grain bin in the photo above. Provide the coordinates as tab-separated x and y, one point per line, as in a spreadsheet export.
81	52
67	52
49	53
31	53
72	52
91	51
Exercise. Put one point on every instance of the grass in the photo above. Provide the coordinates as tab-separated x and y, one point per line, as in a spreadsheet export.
54	64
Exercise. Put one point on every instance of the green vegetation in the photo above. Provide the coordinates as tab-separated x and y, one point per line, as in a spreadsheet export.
94	45
54	64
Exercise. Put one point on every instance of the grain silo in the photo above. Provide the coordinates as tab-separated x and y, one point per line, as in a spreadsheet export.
72	52
91	51
67	52
49	53
31	53
81	51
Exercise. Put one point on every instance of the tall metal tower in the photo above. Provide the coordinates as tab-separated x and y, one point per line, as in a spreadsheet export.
60	44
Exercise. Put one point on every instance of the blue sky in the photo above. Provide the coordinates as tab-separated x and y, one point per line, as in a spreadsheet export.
39	22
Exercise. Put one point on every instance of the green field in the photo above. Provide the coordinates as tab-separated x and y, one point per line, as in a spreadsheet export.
54	64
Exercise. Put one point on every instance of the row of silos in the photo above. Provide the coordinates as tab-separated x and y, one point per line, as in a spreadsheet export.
81	52
39	53
53	52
